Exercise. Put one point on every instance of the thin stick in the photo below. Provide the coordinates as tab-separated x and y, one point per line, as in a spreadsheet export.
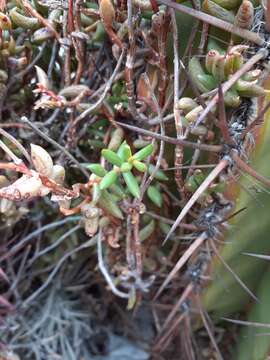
178	153
16	143
205	184
106	90
56	145
224	25
162	132
223	125
43	21
181	262
177	306
204	147
12	156
56	268
35	233
104	270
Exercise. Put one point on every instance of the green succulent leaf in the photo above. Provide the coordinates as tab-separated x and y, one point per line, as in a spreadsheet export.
154	195
159	175
97	169
139	166
111	157
146	231
109	179
96	193
108	204
125	167
143	153
132	184
124	151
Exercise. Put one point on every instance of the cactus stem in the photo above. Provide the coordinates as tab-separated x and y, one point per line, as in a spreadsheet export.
228	84
224	25
237	278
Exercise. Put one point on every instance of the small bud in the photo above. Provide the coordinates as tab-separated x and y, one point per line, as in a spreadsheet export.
232	99
195	181
58	174
116	139
23	21
42	160
107	12
249	89
5	23
89	211
42	77
245	15
218	68
91	226
233	62
210	59
252	75
215	10
186	104
193	114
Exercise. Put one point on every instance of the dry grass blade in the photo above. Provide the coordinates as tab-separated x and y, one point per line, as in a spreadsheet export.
170	140
182	261
259	256
208	329
201	189
246	323
237	278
